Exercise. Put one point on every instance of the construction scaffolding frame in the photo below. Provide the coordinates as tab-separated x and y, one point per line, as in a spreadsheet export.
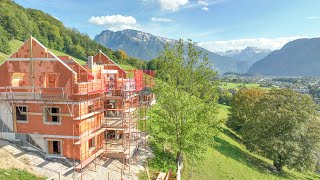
115	117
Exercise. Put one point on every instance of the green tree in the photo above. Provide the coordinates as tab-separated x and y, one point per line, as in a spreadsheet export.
284	126
225	97
120	55
153	64
242	105
4	42
188	99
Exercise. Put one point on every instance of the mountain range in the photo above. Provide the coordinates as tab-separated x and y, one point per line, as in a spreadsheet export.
296	58
249	54
300	57
147	46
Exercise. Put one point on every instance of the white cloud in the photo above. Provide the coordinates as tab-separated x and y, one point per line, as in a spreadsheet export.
172	5
265	43
204	3
156	19
313	17
205	8
115	22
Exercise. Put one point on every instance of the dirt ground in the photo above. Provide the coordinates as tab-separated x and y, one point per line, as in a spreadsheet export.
8	161
13	157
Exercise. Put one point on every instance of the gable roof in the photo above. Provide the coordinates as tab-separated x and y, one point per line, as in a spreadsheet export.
109	59
32	49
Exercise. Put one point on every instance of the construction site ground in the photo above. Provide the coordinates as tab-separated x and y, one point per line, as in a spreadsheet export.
12	156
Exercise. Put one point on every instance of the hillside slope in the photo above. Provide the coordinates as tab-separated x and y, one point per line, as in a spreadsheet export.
228	158
147	46
297	58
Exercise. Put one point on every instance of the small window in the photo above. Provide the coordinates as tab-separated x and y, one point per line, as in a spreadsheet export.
92	143
51	80
17	79
52	114
21	113
54	147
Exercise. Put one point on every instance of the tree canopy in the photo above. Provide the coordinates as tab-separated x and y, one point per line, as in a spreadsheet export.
242	105
188	99
282	125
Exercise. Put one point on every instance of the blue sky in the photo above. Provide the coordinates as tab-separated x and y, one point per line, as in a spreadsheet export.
217	25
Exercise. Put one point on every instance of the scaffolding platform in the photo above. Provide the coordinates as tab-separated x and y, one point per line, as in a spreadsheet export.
86	162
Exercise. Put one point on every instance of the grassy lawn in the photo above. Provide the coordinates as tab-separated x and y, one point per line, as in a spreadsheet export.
17	174
237	85
126	67
15	44
229	159
58	53
3	57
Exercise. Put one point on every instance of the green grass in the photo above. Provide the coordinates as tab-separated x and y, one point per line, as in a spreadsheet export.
15	44
3	57
229	159
15	174
126	67
237	85
58	53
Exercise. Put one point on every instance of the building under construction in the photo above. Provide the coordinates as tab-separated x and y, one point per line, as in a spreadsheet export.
68	111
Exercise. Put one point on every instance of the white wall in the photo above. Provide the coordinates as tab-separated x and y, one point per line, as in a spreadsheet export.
39	139
5	114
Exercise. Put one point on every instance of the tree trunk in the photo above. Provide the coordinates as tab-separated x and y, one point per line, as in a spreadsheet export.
278	163
179	162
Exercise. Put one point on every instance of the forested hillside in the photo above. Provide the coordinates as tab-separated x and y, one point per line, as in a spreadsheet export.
19	23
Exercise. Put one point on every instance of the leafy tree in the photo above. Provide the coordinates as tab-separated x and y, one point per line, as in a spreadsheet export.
285	127
78	51
4	42
120	54
153	64
242	105
225	97
187	98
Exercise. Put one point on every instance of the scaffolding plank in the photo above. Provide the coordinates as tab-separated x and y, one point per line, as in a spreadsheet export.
89	160
88	115
90	136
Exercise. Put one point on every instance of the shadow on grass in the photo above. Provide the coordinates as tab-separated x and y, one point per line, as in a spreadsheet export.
243	157
232	135
238	154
